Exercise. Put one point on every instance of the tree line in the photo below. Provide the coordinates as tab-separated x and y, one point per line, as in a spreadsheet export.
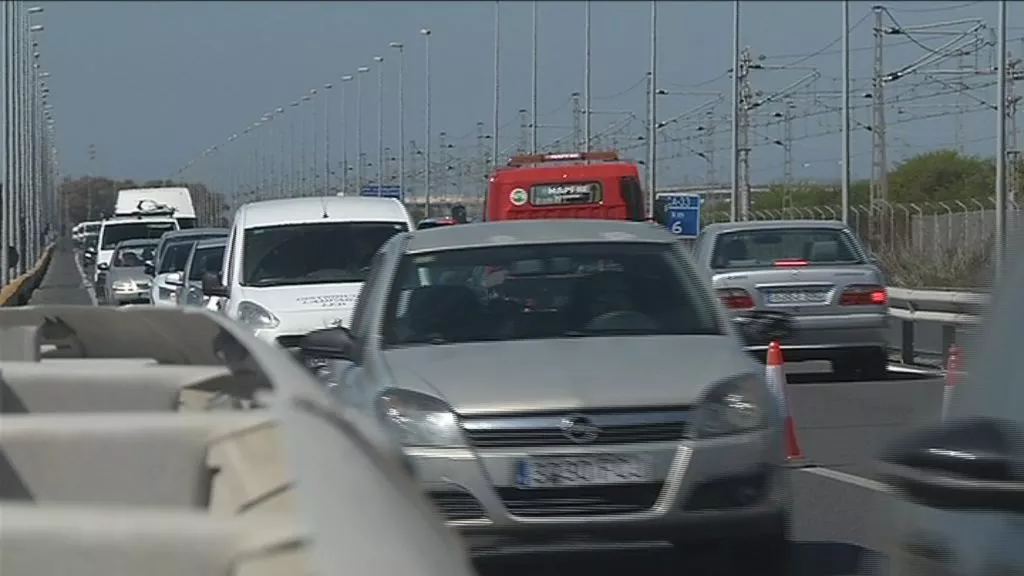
938	176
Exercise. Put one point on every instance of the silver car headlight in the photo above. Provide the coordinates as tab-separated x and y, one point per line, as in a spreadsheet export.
420	420
738	405
123	286
255	316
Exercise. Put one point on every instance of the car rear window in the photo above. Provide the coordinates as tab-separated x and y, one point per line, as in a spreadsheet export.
768	247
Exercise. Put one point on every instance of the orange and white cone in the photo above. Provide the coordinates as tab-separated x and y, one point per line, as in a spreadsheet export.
775	375
952	376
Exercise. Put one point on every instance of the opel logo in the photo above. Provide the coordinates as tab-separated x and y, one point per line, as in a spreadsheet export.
579	429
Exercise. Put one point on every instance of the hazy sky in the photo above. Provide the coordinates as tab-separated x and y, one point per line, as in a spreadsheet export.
152	84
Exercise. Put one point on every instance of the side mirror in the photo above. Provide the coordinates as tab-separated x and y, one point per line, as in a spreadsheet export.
327	343
974	463
213	287
148	267
90	252
103	266
759	328
173	279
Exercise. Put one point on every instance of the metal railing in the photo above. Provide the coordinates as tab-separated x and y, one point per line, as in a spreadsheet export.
939	317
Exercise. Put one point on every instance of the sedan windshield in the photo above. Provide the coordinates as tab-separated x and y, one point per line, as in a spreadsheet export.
114	233
313	253
133	256
546	291
766	247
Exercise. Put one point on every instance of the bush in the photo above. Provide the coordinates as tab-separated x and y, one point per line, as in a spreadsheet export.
961	267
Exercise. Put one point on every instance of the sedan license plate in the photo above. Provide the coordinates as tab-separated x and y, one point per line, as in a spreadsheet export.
565	471
797	297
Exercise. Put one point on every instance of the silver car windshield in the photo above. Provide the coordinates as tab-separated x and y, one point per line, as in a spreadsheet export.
767	247
133	256
546	291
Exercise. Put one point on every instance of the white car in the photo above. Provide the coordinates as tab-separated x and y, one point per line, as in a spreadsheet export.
171	256
116	230
962	481
296	265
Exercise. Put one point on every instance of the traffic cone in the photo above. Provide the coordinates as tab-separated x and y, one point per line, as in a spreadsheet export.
775	375
952	376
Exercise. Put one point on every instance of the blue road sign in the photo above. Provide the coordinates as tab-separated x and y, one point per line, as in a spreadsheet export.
382	191
683	213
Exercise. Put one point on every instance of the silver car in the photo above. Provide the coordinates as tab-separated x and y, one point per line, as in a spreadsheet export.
206	257
126	279
566	382
815	271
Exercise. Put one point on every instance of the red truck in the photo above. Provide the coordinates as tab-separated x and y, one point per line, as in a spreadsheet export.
593	185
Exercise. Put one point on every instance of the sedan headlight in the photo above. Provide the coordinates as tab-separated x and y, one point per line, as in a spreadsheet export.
255	316
420	420
734	406
123	286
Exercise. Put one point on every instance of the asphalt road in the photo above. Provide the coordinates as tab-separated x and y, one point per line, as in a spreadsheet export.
840	517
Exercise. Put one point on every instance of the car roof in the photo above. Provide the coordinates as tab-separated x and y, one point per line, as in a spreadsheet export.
321	209
212	242
720	227
189	232
522	232
138	242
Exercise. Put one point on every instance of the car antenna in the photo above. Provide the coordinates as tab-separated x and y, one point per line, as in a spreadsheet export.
323	205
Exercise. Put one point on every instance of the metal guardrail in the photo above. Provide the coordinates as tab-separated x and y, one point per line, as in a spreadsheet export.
949	310
20	289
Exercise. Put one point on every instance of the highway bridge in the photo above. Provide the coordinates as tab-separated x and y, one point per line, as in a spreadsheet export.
841	514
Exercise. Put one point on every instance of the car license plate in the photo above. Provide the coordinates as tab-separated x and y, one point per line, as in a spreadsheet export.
797	297
565	471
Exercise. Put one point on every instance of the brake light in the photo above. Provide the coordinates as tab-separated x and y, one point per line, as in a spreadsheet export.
864	295
790	263
735	298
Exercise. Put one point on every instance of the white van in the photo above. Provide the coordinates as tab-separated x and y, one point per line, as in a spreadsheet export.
176	200
115	230
296	265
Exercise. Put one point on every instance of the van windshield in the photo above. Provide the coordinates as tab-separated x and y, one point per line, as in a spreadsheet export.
765	247
114	233
312	253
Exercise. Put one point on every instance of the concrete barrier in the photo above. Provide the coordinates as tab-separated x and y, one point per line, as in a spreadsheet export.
18	291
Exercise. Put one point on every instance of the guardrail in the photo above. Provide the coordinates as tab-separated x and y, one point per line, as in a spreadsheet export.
18	291
950	311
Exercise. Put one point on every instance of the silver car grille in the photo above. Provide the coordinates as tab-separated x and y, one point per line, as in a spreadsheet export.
576	428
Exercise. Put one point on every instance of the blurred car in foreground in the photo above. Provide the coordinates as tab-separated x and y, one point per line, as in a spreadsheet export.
961	483
559	383
815	271
126	281
288	483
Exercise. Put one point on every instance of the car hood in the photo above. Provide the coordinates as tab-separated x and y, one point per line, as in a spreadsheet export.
567	374
133	274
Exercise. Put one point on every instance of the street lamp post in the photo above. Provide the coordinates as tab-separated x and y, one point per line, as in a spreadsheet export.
359	127
344	135
401	117
327	139
426	138
380	124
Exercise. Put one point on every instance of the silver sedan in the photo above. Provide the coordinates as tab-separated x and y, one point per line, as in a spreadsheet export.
559	382
817	273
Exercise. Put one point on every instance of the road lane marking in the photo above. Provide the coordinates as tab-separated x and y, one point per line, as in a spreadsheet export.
85	280
844	477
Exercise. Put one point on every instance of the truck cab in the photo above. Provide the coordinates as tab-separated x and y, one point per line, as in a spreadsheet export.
590	185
